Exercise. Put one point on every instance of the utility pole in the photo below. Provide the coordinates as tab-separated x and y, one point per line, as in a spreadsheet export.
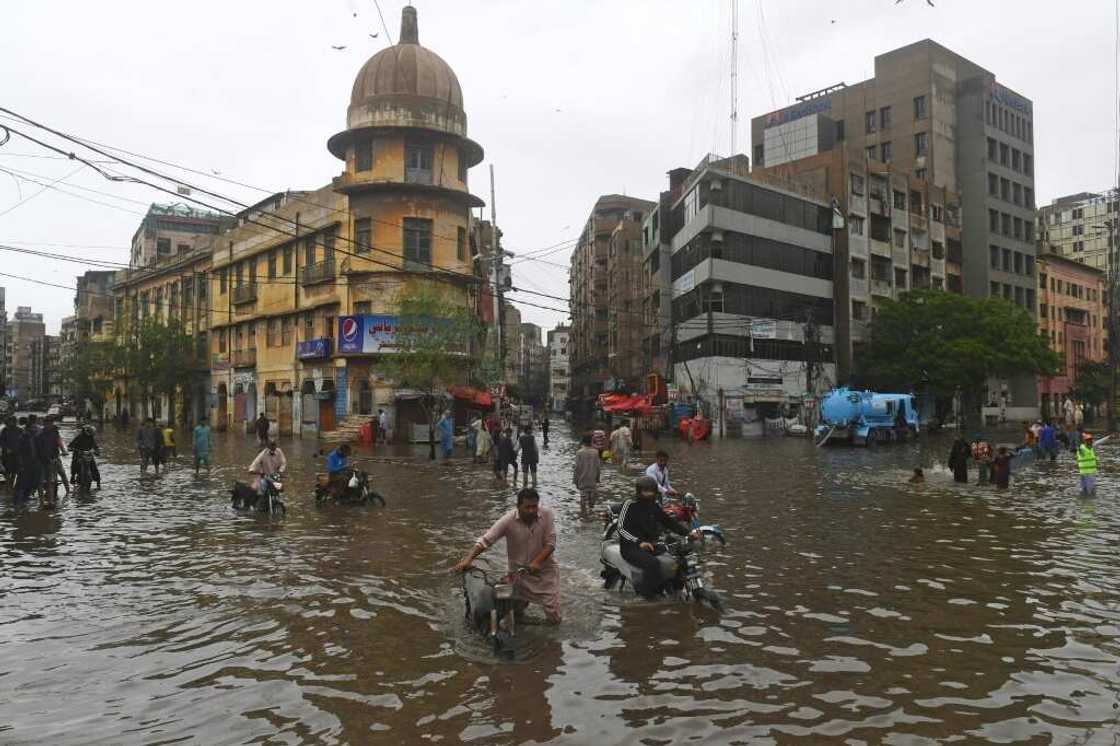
734	74
1113	236
499	287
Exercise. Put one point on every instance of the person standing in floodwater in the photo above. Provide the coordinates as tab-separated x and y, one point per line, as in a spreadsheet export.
958	460
1001	469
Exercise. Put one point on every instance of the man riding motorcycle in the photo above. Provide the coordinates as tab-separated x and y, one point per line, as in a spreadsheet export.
268	462
659	473
640	525
338	470
85	440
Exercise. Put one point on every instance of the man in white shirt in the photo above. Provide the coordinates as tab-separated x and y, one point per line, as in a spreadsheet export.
659	471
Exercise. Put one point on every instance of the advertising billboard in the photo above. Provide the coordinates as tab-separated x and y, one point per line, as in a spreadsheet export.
367	334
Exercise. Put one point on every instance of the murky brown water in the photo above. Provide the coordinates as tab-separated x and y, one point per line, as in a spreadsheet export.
859	610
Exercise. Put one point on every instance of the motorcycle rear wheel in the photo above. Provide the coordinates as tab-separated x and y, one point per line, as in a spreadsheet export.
710	597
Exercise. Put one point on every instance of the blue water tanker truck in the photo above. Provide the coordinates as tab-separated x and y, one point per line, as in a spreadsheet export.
865	417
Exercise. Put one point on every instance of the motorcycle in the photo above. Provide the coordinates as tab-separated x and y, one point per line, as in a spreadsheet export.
491	607
245	497
356	492
83	477
681	571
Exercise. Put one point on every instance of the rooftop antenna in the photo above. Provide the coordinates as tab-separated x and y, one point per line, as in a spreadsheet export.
734	73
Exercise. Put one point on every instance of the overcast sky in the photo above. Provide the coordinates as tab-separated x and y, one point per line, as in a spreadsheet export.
570	99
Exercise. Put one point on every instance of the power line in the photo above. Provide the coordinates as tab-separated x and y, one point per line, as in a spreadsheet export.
30	197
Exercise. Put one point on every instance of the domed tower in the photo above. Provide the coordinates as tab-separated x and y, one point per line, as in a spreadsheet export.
407	154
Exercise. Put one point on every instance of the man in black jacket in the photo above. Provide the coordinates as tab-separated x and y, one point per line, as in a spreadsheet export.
640	525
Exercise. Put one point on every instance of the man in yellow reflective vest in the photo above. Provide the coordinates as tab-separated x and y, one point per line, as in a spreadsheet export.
1087	466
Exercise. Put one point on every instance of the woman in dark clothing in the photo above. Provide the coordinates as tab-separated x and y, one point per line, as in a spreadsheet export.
527	443
958	460
506	454
1001	469
30	474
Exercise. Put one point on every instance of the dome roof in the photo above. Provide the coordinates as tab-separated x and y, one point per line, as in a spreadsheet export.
407	85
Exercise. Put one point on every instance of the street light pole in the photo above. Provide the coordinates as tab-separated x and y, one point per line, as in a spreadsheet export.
1112	350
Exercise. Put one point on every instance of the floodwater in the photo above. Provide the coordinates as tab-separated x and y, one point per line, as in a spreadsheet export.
860	609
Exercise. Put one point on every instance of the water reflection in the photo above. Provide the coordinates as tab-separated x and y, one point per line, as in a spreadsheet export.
859	607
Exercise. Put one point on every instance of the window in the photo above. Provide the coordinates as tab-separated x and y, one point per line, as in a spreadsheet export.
937	249
859	310
363	307
183	248
1078	230
938	213
287	252
1019	295
1004	189
899	279
758	155
328	244
287	326
308	326
885	117
885	152
919	107
1018	263
993	185
1078	213
991	149
418	241
362	232
993	221
272	264
462	166
1018	228
309	252
920	173
163	246
1005	224
869	122
859	269
461	244
855	225
993	254
418	163
1004	154
1028	164
921	144
916	202
856	184
900	238
1016	160
1028	230
993	289
1017	193
1028	197
222	340
221	282
899	200
363	155
1006	266
272	333
872	153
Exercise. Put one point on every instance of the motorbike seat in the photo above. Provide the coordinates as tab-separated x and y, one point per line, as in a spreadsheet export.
612	554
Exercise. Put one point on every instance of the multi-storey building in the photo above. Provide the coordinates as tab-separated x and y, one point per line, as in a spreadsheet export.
934	117
752	305
657	279
170	230
174	291
595	312
534	365
1073	315
94	306
1081	227
4	371
559	373
44	368
626	291
24	329
511	343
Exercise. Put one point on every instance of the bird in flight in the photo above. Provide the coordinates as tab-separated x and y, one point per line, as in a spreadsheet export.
342	46
374	36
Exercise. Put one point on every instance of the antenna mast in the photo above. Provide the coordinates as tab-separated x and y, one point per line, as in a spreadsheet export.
734	73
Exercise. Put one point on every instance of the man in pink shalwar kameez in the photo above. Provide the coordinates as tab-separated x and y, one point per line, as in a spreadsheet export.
530	534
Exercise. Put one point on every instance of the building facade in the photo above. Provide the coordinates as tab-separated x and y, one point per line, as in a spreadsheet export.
597	315
752	291
1073	316
23	330
44	359
534	366
1081	227
170	230
94	306
559	374
936	117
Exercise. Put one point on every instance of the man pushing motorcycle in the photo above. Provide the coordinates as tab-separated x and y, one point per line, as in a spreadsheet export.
530	534
640	525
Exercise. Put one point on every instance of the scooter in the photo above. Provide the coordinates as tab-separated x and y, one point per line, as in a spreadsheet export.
491	607
356	492
244	497
682	572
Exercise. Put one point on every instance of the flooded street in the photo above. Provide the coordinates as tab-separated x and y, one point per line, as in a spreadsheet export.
859	609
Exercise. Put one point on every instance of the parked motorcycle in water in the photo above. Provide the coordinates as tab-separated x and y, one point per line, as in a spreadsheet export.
246	498
682	572
356	492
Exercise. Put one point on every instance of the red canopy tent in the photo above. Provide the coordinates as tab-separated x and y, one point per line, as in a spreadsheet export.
474	396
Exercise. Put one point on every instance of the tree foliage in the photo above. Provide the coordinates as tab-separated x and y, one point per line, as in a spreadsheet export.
88	372
1091	382
948	343
436	333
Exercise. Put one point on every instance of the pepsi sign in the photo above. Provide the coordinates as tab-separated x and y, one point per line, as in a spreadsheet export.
367	334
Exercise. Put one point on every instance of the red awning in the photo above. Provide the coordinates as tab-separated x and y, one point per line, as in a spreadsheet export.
621	403
472	395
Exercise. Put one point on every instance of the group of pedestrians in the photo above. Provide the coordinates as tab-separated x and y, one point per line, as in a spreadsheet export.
31	454
1043	438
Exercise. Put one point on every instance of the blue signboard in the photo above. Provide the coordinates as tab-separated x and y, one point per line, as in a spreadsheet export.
367	334
313	348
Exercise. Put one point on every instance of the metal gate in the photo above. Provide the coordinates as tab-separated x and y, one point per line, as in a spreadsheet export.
284	413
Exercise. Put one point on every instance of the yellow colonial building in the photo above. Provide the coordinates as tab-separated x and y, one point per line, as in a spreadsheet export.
301	276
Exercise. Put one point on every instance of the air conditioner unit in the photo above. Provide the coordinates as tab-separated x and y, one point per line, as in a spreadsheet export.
717	237
715	185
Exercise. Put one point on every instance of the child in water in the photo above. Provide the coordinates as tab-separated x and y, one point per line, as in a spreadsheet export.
918	476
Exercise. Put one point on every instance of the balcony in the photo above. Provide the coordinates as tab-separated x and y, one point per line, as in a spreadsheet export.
876	205
882	287
245	294
858	287
314	274
900	255
245	358
880	248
